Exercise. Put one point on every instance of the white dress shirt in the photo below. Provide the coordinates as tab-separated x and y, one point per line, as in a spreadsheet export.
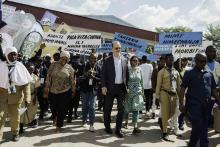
118	70
146	70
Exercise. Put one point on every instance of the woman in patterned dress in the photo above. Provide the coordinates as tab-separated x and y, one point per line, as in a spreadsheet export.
134	101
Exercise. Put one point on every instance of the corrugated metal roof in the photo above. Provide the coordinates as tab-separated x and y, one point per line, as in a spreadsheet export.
86	22
111	19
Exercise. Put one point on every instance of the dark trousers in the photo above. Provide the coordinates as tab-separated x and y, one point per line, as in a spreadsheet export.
118	92
198	115
211	117
74	103
181	119
60	106
148	93
43	103
100	98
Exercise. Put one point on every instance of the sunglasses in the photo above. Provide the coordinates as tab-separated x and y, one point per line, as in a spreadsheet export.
117	48
134	60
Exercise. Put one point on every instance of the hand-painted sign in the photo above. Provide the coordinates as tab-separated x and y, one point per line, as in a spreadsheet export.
137	44
181	38
83	43
190	50
160	49
105	48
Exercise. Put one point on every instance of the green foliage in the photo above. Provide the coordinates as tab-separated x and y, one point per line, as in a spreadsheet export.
213	34
173	29
149	49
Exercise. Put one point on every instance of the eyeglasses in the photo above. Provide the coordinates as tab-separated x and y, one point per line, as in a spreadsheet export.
134	60
117	48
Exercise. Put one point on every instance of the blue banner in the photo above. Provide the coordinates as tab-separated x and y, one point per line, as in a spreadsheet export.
105	48
129	42
160	49
181	38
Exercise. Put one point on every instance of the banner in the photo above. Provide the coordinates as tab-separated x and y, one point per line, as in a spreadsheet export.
63	28
7	41
105	48
160	49
7	11
190	50
55	39
48	19
130	43
30	44
181	38
83	43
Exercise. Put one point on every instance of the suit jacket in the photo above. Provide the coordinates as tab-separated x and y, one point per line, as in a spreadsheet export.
108	73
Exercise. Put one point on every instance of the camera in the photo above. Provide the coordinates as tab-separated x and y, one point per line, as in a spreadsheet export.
12	89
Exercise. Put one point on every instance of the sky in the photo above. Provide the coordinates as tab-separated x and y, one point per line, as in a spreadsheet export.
145	14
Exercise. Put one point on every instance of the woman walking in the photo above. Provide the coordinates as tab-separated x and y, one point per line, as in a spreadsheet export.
60	86
134	101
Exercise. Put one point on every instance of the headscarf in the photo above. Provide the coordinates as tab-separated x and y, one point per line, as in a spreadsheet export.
65	54
19	74
8	51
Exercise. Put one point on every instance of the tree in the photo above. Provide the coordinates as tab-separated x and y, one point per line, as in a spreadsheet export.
149	49
173	29
213	34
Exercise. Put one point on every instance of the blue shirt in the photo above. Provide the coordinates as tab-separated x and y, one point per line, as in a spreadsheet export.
199	86
211	65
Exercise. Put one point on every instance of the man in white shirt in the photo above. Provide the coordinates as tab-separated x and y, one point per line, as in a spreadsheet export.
147	69
113	82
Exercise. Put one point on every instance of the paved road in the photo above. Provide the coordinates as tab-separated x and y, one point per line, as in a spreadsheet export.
74	135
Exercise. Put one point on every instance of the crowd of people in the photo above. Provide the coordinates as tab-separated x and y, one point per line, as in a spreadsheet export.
58	84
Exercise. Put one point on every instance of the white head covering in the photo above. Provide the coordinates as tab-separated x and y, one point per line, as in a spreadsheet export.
19	76
8	51
65	54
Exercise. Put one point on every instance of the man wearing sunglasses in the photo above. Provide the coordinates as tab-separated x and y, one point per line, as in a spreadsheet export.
113	82
200	85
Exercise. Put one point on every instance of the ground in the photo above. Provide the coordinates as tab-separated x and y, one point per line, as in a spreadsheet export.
74	135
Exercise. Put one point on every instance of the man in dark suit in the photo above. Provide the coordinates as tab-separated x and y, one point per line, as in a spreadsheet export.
113	82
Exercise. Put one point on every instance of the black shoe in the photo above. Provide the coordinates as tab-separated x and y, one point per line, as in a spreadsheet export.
166	137
69	120
119	134
15	138
41	116
181	128
153	116
136	131
33	124
108	130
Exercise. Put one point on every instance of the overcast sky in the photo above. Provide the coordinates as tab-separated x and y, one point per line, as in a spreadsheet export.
145	14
